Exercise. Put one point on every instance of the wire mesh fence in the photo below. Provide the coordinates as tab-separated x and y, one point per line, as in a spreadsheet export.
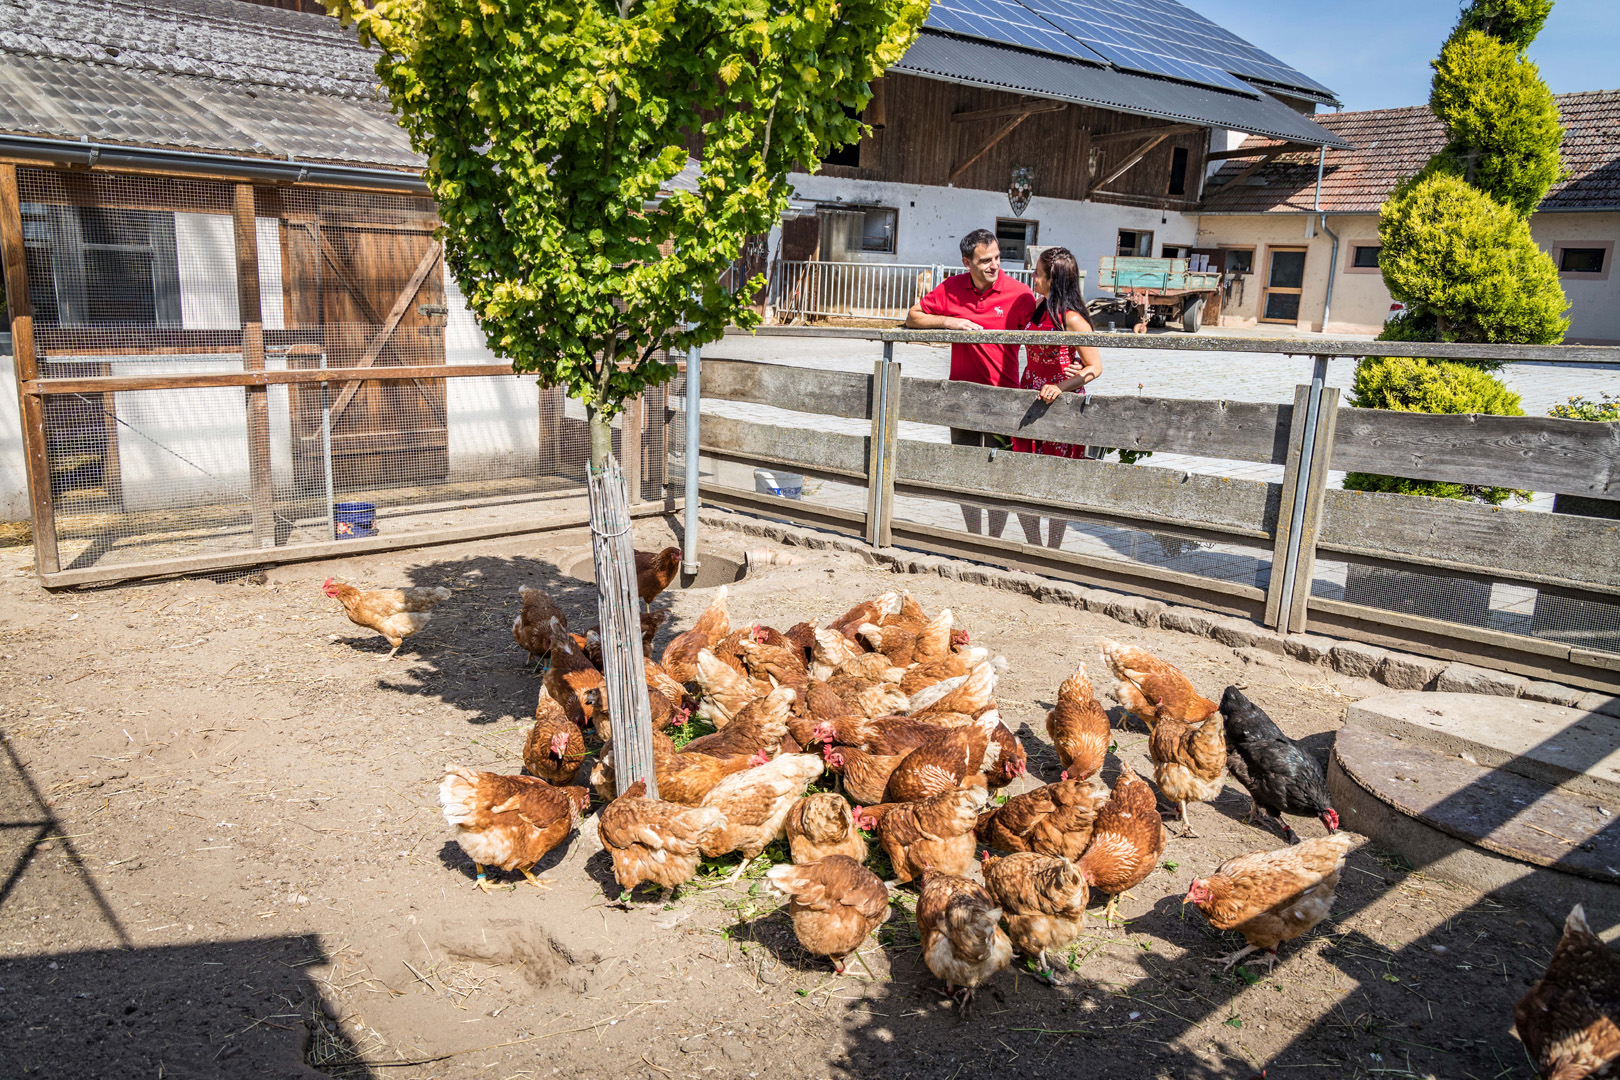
163	283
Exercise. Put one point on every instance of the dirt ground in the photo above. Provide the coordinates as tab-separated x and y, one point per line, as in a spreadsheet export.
224	856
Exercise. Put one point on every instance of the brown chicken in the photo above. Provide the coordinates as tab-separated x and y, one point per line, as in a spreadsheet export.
1043	899
555	748
1272	896
660	680
760	726
831	650
973	695
682	778
898	730
868	611
869	668
530	629
653	840
396	614
821	825
952	665
1126	841
756	802
1078	727
962	940
650	622
1188	761
508	822
834	904
803	637
865	776
1568	1019
868	696
783	663
1146	682
1012	761
680	655
573	681
1056	819
654	572
725	689
906	641
946	761
936	832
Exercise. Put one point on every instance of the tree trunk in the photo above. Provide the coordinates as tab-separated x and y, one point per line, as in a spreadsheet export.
630	717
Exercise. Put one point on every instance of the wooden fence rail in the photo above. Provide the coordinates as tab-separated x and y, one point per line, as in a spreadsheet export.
1440	545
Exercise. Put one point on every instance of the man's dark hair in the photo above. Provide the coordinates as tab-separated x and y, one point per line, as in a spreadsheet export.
970	242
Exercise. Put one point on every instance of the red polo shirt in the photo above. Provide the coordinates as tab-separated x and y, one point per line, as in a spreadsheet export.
1006	305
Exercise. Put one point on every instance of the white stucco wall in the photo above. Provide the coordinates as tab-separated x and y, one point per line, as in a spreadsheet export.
13	471
933	219
1594	301
494	423
206	251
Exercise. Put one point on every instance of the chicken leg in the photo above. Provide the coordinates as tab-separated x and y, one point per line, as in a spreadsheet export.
1186	825
1230	960
482	882
543	884
737	873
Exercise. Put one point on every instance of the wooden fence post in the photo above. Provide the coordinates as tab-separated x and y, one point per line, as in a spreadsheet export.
1315	490
258	397
631	423
32	406
881	449
1291	479
1304	437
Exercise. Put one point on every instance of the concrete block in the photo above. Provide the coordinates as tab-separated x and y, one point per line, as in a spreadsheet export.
1016	581
1467	679
1605	704
977	575
1552	693
1188	620
1098	600
1309	648
1354	658
1403	671
1243	634
1135	610
1066	593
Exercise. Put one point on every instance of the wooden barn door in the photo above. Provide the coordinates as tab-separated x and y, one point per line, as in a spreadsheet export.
382	290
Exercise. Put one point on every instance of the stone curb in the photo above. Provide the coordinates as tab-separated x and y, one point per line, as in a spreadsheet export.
1397	670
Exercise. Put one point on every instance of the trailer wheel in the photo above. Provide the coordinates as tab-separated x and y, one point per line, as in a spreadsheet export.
1192	314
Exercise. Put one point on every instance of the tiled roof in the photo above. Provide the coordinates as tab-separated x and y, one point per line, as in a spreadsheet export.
1390	145
210	75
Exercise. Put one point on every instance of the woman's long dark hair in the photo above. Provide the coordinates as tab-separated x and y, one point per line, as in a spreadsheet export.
1063	296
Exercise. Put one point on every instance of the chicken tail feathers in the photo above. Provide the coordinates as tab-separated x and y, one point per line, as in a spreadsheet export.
458	794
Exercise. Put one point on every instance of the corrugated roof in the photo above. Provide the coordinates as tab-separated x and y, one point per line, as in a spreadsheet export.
1390	145
979	63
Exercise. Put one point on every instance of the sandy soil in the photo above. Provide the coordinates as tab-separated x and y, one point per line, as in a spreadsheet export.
224	856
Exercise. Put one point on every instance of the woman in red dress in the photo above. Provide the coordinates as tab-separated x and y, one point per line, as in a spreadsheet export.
1053	369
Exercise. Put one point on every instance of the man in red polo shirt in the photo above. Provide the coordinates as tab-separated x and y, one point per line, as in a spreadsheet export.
982	299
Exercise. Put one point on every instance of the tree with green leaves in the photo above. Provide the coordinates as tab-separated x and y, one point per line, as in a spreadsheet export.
1456	244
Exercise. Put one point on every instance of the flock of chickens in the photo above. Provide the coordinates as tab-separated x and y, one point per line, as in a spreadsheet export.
900	708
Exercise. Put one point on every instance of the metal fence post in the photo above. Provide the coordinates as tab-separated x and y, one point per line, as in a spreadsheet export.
1297	477
881	449
694	391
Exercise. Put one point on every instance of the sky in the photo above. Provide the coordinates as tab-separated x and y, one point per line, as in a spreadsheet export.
1375	53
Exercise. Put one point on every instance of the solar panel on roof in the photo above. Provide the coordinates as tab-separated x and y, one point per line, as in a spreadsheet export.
1008	22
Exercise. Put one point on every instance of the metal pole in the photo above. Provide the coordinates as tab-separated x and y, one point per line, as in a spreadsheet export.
326	453
689	559
1296	517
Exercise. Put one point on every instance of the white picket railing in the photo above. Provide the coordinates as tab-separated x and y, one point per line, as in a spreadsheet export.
853	290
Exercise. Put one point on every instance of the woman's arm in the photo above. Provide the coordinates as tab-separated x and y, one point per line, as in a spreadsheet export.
1089	367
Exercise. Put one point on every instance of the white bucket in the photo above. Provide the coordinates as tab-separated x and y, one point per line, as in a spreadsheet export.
784	484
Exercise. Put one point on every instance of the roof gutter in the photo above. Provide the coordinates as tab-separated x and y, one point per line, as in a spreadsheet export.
263	170
1333	256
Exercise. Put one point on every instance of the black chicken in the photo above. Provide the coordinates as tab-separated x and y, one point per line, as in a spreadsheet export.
1280	777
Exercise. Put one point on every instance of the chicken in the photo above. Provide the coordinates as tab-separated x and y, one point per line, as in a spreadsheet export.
1012	761
660	680
530	629
1145	682
909	641
1272	896
1126	841
962	940
952	665
946	761
782	663
897	643
1043	898
869	667
508	822
396	614
883	735
1188	761
755	803
680	655
972	696
650	622
803	637
725	690
555	747
821	825
834	904
653	840
682	778
654	572
1567	1020
865	776
573	681
1079	728
868	611
1279	776
1056	819
821	705
831	650
936	832
869	697
760	726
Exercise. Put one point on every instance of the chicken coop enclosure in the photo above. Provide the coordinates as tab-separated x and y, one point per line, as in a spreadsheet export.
219	375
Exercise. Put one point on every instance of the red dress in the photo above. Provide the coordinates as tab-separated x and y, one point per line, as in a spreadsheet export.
1045	364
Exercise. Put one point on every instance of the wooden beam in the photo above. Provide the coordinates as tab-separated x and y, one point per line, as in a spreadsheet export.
1129	163
402	304
1021	109
258	397
1162	131
1253	151
341	270
1270	156
103	384
46	559
986	148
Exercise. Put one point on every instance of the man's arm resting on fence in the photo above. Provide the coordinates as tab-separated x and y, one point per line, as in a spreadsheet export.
918	319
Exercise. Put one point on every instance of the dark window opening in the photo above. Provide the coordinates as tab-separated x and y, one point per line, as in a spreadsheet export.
878	229
1581	261
97	266
848	154
1240	261
1178	171
1014	238
1135	242
1365	258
